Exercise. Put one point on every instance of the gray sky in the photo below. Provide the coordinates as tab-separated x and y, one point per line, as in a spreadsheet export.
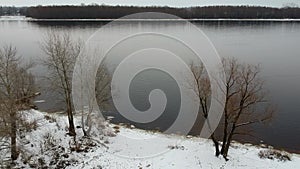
178	3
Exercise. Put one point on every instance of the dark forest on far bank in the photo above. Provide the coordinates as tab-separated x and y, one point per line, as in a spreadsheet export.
113	12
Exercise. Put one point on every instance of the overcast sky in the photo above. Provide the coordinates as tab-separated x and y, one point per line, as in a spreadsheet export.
178	3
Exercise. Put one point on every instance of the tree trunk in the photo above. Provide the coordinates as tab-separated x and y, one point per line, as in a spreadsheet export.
83	125
70	118
225	151
224	134
216	143
71	124
13	136
227	145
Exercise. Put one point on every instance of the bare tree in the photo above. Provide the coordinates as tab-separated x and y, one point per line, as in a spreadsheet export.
103	95
231	70
93	90
245	102
203	91
61	52
103	88
16	89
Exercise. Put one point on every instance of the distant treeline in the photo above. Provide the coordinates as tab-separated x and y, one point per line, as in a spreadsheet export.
11	10
113	12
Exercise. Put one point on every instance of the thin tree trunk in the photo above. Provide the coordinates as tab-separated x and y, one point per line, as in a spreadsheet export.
216	143
224	133
70	118
227	145
13	137
82	124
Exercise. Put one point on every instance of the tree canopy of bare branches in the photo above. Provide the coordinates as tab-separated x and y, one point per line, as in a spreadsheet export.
61	53
16	88
245	102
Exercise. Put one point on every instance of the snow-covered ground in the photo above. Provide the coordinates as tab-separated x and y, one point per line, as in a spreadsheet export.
49	145
192	153
13	18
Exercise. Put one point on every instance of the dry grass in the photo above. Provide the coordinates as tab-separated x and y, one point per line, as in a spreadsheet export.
274	154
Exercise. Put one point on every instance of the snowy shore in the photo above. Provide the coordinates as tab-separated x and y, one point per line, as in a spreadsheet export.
49	143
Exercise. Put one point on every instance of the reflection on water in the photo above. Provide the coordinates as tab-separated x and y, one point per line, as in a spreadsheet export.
274	45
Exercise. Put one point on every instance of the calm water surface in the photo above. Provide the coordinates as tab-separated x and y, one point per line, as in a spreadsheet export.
273	45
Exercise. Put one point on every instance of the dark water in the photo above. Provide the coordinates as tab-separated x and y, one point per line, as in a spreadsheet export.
273	45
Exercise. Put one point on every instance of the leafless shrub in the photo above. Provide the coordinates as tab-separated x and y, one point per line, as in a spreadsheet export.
176	147
51	119
27	126
274	154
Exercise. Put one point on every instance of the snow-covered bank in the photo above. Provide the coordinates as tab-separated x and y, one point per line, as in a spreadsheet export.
48	145
13	18
189	153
